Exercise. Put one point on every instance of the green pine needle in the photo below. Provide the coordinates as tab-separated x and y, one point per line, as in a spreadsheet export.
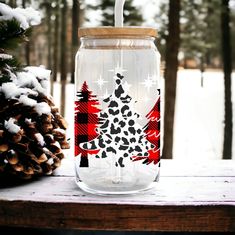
13	64
7	65
4	78
11	34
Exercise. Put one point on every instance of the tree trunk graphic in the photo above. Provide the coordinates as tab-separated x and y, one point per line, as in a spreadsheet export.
120	135
152	130
86	122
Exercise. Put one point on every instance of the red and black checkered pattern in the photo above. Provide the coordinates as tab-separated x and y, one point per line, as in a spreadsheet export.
86	122
152	130
153	127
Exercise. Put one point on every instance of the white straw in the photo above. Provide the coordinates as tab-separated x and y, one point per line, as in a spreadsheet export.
118	15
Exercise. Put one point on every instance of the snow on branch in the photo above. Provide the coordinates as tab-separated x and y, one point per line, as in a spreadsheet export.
40	72
32	80
26	17
4	56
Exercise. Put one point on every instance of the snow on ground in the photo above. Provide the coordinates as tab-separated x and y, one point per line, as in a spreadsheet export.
200	115
198	119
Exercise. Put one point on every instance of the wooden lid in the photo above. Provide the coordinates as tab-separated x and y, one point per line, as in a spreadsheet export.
113	32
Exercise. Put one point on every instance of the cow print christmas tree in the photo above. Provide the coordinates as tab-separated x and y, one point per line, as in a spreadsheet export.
119	135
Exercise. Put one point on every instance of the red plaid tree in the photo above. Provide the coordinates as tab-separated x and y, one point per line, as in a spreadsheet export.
86	122
152	130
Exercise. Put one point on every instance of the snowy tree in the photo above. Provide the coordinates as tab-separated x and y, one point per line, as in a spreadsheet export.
86	122
32	131
152	130
119	133
14	29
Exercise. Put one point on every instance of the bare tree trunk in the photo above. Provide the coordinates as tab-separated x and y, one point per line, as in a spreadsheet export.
63	57
27	45
12	3
27	53
210	12
227	65
49	38
55	47
202	70
75	41
172	48
185	63
48	19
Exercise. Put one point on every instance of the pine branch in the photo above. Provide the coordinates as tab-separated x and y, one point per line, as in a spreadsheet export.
11	34
6	65
4	78
13	64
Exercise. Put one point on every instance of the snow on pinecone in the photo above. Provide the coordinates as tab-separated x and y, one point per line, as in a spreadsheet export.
32	131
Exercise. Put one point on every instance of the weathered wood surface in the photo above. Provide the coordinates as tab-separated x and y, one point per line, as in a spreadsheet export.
189	197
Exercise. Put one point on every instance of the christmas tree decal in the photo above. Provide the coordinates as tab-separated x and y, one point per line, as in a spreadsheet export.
120	135
152	130
86	122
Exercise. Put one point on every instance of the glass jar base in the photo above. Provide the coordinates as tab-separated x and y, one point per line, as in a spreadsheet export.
115	189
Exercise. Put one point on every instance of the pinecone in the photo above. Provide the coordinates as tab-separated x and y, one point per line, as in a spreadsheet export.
30	142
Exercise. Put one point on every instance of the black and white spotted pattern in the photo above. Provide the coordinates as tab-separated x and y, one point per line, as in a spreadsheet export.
120	134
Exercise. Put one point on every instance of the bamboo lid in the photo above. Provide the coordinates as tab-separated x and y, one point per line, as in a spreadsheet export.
115	32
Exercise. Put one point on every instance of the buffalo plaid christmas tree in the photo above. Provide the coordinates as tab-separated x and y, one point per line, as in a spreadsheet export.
86	122
152	130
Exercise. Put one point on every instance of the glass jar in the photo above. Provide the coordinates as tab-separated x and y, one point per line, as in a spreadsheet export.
117	110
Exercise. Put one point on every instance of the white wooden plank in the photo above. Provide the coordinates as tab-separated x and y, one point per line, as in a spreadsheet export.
169	191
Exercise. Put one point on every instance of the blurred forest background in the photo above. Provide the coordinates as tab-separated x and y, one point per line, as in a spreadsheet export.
195	41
